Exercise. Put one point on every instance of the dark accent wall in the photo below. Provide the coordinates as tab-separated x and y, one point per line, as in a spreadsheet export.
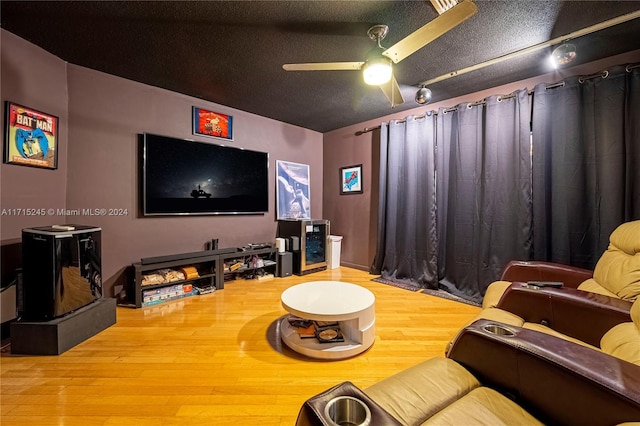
354	216
36	79
103	116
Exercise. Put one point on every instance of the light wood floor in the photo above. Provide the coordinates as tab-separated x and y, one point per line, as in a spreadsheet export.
216	360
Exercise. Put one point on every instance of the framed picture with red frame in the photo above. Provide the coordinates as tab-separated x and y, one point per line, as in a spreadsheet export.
212	124
31	137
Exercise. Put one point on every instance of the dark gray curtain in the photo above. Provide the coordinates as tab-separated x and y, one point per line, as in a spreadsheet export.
483	192
407	245
586	165
483	196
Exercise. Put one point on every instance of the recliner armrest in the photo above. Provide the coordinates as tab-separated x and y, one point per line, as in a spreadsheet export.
580	314
312	411
557	381
571	276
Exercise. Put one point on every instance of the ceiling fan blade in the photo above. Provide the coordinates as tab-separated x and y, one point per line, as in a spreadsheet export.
429	32
324	66
392	91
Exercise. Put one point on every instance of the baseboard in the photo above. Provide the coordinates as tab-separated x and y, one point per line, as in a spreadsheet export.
61	334
311	271
355	266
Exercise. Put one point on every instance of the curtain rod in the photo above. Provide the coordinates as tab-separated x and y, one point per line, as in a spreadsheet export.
604	74
451	109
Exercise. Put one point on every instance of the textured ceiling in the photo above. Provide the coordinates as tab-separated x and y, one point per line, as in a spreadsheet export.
232	52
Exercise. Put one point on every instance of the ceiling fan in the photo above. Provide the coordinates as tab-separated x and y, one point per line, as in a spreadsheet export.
377	68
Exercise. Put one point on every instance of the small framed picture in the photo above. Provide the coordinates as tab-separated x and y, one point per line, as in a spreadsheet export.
213	124
31	137
351	180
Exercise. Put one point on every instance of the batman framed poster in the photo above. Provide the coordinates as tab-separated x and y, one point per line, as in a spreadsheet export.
31	137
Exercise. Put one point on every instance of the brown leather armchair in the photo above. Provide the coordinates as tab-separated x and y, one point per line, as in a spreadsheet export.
497	374
581	315
617	273
599	322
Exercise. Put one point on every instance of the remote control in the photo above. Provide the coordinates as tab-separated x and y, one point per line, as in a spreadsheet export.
554	284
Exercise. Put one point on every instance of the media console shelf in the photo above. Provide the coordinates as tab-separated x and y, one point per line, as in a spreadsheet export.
204	262
209	265
266	254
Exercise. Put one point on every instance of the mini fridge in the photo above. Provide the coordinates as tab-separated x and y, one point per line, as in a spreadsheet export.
308	243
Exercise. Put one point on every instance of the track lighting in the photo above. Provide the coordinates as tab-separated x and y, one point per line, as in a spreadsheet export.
423	95
562	55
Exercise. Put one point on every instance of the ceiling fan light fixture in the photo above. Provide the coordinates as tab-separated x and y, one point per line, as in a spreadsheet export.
377	71
423	96
563	55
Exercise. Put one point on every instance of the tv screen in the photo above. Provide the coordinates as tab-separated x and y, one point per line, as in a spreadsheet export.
181	177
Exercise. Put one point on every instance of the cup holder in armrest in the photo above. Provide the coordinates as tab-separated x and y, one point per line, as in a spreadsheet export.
347	411
499	330
343	405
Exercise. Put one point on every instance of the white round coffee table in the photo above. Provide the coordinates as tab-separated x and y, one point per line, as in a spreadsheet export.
350	305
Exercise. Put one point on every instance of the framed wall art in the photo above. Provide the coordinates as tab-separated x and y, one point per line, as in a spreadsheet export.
351	179
292	190
213	124
31	137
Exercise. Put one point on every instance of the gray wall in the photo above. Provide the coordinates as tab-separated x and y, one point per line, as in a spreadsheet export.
103	116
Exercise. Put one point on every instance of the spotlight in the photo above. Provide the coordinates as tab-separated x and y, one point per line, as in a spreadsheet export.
562	55
423	96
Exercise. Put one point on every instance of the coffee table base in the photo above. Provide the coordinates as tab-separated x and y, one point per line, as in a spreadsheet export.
336	350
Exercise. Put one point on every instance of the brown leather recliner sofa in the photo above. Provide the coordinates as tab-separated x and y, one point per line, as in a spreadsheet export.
494	374
617	273
533	356
600	322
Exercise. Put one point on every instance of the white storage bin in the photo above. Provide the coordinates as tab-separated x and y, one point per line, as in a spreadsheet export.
334	245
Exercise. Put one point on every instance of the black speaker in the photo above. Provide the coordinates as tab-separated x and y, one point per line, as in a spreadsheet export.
294	244
211	245
284	264
61	270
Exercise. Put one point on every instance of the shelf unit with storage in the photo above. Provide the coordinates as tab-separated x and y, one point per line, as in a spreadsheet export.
139	295
211	273
267	262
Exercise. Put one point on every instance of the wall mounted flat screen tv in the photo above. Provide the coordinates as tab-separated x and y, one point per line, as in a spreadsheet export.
181	177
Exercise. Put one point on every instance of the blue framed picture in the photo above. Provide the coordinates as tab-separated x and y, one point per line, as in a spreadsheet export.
351	179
